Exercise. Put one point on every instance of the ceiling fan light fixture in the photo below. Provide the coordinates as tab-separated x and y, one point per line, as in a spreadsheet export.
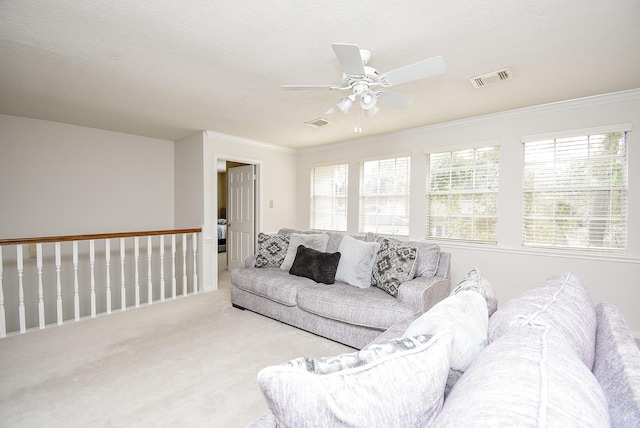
371	112
368	99
345	103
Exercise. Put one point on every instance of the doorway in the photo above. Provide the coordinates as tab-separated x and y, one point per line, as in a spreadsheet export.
239	212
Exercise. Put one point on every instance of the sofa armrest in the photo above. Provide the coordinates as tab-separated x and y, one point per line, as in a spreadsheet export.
395	331
444	265
250	261
267	420
423	292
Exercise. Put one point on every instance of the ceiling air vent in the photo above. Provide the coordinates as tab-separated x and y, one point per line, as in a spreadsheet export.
491	78
317	123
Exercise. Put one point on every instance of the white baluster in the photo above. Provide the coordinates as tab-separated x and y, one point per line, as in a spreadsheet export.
123	288
162	268
59	315
41	322
76	292
92	264
136	258
149	282
195	265
173	266
3	322
20	266
184	264
107	262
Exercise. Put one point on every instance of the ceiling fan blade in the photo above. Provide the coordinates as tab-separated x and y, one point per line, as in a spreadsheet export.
349	57
394	100
419	70
305	87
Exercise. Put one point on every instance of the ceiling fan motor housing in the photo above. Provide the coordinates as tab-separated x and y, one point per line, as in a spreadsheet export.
359	82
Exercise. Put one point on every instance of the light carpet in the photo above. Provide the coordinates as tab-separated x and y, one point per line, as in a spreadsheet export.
190	362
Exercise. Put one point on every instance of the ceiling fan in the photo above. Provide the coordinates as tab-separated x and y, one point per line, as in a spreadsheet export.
362	80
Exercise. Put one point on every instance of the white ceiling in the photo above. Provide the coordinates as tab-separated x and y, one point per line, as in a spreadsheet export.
169	68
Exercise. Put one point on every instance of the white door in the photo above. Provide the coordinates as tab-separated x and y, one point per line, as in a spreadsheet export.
240	214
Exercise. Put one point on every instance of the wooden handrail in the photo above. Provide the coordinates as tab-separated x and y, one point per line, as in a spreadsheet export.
67	238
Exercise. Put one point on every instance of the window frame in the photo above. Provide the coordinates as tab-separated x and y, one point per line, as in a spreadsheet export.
477	192
335	221
562	193
395	228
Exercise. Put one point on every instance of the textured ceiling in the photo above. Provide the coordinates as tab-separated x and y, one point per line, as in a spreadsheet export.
169	68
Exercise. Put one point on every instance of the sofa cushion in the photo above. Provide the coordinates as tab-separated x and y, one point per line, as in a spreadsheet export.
272	249
617	366
370	307
335	238
465	315
475	281
428	256
529	377
395	263
356	261
271	283
315	265
427	259
396	383
561	302
317	241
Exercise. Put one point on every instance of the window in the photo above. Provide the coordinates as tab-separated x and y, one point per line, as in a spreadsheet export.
329	197
462	194
575	191
384	196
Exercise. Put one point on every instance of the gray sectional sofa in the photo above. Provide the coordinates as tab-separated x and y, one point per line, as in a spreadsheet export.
341	312
550	358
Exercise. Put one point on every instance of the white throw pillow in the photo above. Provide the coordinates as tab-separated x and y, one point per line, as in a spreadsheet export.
316	241
356	261
465	315
395	383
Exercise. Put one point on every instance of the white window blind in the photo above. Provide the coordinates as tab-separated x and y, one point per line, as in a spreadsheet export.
575	192
462	194
329	197
384	196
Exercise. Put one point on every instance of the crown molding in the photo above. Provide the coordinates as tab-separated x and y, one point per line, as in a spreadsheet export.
594	100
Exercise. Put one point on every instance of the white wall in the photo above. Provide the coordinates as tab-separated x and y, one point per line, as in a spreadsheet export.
58	179
277	183
189	182
509	267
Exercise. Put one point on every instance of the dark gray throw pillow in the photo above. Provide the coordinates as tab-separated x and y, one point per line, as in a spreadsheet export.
315	265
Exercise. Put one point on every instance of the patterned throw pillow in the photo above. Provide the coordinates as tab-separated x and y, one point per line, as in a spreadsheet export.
395	383
272	250
475	281
395	263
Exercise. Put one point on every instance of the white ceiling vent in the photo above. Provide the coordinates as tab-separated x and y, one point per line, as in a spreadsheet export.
491	78
317	123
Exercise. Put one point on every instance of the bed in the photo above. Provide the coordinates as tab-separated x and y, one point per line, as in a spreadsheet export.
222	235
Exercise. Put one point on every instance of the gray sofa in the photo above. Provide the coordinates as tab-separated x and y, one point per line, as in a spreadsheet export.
340	312
552	358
